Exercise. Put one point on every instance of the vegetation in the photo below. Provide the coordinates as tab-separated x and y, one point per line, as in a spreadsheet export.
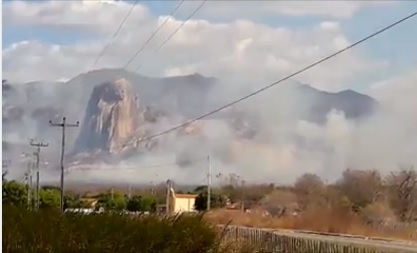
216	201
360	202
49	231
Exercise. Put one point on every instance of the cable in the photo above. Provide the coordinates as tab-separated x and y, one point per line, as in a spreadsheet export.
279	81
178	28
154	33
115	34
182	24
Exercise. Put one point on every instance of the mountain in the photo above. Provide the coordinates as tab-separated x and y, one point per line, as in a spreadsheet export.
112	118
105	103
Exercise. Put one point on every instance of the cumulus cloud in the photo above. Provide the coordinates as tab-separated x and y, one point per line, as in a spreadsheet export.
242	53
326	9
225	50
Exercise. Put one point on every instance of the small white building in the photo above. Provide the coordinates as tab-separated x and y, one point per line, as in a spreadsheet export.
180	203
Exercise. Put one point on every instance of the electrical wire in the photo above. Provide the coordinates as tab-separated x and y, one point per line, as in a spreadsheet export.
177	30
182	24
277	82
153	34
114	34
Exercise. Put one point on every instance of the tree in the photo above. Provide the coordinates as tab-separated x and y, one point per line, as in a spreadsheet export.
14	193
142	204
72	200
403	191
149	204
49	198
362	187
279	202
134	204
115	201
309	189
216	201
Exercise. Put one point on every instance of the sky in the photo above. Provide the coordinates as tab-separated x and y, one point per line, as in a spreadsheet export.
241	43
261	41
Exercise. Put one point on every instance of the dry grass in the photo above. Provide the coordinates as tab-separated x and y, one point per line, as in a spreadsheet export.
319	220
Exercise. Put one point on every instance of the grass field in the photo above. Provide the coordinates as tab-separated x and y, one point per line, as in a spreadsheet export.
49	231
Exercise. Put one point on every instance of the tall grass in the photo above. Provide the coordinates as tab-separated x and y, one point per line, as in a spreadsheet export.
319	220
49	231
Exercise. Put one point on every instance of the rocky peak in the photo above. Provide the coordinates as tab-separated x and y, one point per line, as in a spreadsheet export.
112	118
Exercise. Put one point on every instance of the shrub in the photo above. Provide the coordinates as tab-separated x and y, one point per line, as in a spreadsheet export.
50	231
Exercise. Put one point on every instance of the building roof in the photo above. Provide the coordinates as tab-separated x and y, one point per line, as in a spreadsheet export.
185	196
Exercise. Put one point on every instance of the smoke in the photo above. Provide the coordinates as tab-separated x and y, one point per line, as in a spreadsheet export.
285	146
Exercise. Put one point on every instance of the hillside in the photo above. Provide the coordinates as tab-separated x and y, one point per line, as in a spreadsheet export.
154	104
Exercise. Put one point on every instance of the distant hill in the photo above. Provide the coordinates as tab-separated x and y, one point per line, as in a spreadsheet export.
28	107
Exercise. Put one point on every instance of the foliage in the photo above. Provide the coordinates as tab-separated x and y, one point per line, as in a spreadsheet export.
112	201
14	193
49	198
216	201
49	231
138	203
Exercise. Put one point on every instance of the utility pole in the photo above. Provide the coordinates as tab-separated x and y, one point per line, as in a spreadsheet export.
209	183
37	154
129	194
152	188
243	196
29	184
63	126
168	197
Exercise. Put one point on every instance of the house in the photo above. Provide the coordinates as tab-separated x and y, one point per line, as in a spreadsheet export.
180	203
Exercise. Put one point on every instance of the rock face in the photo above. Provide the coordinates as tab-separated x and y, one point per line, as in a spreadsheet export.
112	118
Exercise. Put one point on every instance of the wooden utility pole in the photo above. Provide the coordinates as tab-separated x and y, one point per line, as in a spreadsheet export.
129	194
63	126
37	154
169	186
209	183
29	184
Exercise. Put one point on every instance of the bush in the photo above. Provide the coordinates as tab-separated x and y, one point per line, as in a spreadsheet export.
49	231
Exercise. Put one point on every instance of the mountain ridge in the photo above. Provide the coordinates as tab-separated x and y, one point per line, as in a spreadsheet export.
176	98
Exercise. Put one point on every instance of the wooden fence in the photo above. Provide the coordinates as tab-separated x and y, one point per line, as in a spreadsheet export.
287	241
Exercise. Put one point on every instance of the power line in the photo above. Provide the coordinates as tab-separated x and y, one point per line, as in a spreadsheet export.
276	82
63	126
177	30
182	24
153	34
115	34
37	154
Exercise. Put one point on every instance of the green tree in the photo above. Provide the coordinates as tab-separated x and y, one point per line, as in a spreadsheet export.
216	201
115	201
143	204
149	204
134	204
49	198
72	200
14	193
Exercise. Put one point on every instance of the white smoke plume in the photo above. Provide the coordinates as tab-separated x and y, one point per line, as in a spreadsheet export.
285	146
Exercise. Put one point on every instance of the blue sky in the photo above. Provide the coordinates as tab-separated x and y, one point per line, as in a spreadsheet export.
394	46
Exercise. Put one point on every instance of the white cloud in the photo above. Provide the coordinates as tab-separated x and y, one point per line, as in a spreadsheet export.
89	16
236	51
328	9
